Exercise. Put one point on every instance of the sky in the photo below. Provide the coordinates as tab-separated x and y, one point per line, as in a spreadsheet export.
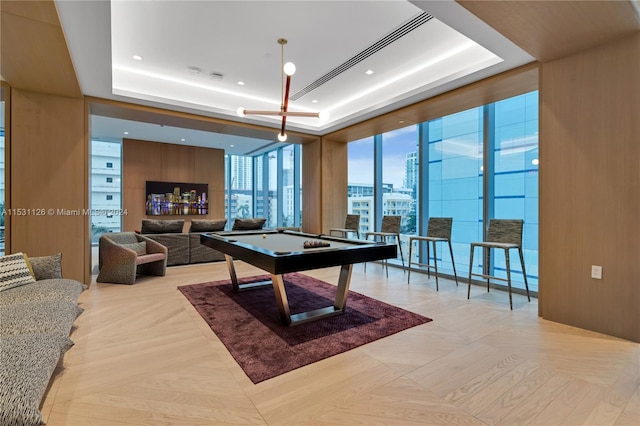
395	147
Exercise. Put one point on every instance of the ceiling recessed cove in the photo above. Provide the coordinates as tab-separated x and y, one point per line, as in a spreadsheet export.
394	35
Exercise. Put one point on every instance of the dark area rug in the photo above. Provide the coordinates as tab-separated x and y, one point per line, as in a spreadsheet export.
249	325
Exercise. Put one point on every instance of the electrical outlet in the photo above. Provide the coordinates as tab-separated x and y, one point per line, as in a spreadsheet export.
596	272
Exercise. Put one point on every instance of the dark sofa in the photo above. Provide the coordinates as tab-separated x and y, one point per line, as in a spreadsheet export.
184	248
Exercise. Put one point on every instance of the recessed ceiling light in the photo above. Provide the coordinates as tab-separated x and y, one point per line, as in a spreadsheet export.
315	101
241	83
126	133
183	139
231	146
368	72
137	57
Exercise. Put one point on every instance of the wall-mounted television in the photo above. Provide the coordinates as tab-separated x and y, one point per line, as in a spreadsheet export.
176	198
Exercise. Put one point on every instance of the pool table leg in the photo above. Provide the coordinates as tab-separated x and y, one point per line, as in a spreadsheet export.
232	272
281	299
343	287
339	305
234	278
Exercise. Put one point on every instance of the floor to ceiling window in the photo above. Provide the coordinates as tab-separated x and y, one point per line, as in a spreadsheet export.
239	187
290	189
442	162
106	188
455	182
266	185
515	155
360	183
399	177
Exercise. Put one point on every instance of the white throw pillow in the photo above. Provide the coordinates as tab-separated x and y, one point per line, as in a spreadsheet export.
14	272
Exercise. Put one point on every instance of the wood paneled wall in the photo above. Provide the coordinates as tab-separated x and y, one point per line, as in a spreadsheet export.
312	207
34	54
48	187
590	189
324	183
143	161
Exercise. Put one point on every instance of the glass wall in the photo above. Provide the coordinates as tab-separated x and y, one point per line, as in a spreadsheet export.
447	164
291	211
239	187
515	182
273	184
267	185
455	161
400	180
106	187
360	183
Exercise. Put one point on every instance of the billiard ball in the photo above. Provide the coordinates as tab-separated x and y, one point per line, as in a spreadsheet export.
264	235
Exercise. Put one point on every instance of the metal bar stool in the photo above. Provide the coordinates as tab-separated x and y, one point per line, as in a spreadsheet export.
439	230
390	228
505	234
351	224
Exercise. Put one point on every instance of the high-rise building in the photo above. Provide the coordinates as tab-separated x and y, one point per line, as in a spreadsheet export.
411	172
241	172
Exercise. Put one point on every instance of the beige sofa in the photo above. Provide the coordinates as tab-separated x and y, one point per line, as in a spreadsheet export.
37	319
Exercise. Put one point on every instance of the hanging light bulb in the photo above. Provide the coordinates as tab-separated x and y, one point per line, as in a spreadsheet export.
289	68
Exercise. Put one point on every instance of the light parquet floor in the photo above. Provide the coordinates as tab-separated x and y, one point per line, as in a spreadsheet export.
143	356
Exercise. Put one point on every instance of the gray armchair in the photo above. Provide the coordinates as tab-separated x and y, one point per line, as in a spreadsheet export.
122	255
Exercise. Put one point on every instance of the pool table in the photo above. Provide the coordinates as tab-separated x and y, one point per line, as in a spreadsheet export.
280	252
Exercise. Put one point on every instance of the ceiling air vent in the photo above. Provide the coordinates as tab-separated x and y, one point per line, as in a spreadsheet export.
216	75
394	35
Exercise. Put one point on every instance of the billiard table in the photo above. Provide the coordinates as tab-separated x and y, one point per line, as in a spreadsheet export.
280	252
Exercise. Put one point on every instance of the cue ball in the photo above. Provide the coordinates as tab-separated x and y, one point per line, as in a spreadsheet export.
264	235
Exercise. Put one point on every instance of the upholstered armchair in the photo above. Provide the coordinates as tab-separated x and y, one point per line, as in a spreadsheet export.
122	255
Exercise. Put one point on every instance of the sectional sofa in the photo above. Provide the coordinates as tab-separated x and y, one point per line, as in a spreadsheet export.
37	309
184	247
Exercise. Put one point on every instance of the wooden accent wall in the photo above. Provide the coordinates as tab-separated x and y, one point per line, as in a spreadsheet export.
590	189
143	161
324	183
34	53
49	169
311	187
549	30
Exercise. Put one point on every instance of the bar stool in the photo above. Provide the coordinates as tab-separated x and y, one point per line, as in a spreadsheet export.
503	234
351	224
439	230
390	229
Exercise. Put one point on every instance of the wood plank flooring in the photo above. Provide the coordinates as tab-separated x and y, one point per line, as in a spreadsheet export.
143	356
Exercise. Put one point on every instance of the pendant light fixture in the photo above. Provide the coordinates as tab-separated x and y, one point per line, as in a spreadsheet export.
288	70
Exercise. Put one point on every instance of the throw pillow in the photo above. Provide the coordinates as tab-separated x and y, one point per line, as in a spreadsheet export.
47	267
26	259
14	271
152	226
204	225
140	248
248	224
